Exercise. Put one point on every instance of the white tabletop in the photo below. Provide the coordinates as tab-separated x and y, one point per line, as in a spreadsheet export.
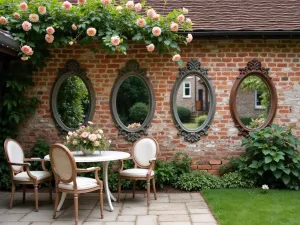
105	156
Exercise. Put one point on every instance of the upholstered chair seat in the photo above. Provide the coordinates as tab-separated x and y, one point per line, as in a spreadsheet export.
144	153
66	180
136	172
21	173
40	175
83	183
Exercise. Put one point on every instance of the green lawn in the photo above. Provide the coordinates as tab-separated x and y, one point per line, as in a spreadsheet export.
251	207
191	125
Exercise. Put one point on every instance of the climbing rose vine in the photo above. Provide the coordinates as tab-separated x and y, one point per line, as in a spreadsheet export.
38	25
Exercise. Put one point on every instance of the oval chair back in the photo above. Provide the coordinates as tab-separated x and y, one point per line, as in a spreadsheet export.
144	150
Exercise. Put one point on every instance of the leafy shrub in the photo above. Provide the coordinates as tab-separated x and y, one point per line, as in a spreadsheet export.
246	120
138	112
40	149
198	180
273	155
169	172
184	113
200	119
236	180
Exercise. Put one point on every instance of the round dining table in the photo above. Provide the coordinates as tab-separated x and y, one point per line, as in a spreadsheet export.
99	156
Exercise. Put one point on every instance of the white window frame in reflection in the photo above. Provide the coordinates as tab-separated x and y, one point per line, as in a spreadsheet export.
189	87
256	106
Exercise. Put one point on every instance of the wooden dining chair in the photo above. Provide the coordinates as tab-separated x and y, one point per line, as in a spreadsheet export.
144	153
66	180
16	161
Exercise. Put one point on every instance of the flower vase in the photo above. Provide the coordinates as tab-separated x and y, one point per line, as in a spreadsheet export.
87	151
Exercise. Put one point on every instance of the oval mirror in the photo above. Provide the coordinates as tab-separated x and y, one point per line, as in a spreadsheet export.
253	99
132	101
72	99
193	101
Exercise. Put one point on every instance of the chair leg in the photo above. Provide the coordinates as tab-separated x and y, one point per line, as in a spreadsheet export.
101	202
50	190
154	188
148	192
24	193
133	189
76	208
36	197
13	188
119	188
57	198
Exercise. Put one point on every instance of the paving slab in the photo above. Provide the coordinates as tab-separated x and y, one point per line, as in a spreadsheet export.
149	220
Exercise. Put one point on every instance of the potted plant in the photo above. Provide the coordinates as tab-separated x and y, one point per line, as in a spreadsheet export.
87	139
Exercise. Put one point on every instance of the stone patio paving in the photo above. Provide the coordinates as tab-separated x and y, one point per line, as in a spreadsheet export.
168	209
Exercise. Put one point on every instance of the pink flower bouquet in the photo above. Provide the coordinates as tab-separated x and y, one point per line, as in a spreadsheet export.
87	138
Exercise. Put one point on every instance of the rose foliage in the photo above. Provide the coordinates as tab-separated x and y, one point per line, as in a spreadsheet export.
38	24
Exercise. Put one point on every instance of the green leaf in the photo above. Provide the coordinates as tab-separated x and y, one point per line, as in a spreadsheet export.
286	170
295	172
36	28
277	174
268	159
167	42
273	167
286	179
266	152
260	172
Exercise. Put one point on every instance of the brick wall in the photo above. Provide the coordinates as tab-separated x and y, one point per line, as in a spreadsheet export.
223	58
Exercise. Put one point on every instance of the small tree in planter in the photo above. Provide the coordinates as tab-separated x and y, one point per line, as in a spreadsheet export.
273	153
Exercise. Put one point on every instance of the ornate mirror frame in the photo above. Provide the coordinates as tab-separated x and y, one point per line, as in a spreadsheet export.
132	68
193	69
72	67
253	68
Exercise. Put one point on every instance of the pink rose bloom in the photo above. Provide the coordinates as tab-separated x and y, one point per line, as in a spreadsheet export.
67	5
74	27
138	7
180	18
188	20
34	18
176	57
91	31
106	2
50	30
93	137
151	13
26	26
84	141
156	31
189	38
156	16
16	15
150	48
23	6
141	22
81	2
71	42
84	134
185	11
119	8
115	40
49	38
174	27
30	53
96	143
130	5
24	58
74	142
26	49
3	20
42	10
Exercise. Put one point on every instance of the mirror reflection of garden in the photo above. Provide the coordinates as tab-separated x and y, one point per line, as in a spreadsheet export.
132	102
73	101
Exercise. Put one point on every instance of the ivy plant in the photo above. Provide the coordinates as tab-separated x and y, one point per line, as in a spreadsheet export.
38	25
273	153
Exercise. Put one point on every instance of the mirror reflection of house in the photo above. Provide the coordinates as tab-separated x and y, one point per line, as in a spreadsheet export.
193	95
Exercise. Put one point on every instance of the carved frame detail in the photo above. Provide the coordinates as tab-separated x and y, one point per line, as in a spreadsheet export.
72	67
132	68
193	69
253	68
